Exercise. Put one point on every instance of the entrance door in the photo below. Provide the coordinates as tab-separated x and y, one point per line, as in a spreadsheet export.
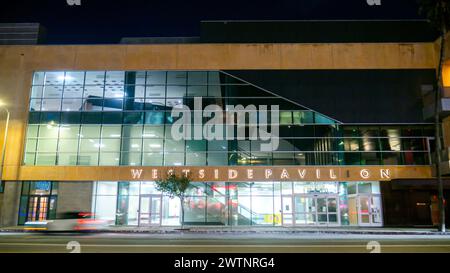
287	210
150	210
315	210
37	208
369	210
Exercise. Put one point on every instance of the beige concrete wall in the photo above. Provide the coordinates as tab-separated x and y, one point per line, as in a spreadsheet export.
74	196
18	62
10	209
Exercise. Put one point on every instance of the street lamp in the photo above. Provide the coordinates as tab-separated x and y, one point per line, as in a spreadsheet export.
5	136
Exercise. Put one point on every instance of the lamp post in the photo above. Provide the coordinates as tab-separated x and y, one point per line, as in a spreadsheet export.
5	137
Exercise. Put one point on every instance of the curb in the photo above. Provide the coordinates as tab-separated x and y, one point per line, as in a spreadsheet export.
430	233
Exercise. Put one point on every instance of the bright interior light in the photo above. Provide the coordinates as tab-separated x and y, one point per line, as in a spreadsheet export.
67	78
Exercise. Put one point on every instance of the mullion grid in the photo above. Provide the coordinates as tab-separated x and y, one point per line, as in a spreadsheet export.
208	84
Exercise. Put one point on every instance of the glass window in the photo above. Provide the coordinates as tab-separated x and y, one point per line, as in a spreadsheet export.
197	91
156	77
95	78
52	92
155	91
111	131
132	144
35	105
106	188
36	91
31	145
47	159
51	105
153	145
262	188
174	146
176	159
196	159
29	159
110	145
152	159
105	208
72	105
197	78
67	159
88	159
175	92
148	188
32	131
131	159
351	188
285	117
195	145
89	145
134	131
68	145
48	131
38	78
69	131
54	78
90	131
74	78
195	209
262	210
176	77
139	77
153	131
302	117
109	159
217	159
114	92
304	187
94	91
115	77
364	187
138	92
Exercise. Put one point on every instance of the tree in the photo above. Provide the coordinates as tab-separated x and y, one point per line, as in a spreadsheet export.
438	13
175	186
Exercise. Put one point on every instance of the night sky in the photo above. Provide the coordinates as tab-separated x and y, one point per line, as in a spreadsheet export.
102	21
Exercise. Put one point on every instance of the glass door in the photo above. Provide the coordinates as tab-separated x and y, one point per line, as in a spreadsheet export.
37	208
314	210
150	210
369	210
287	210
305	210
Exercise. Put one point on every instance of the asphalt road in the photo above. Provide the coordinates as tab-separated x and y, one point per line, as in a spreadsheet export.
221	243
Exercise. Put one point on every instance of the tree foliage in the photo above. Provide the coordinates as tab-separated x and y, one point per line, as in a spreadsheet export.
173	185
437	12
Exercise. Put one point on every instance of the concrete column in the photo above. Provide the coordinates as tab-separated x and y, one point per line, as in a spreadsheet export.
9	210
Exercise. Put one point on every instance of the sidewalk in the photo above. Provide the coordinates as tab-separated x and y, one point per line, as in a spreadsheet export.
228	230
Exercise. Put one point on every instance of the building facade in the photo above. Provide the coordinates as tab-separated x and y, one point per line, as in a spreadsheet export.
92	128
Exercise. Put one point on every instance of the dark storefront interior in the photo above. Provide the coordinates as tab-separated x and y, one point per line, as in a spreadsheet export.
413	202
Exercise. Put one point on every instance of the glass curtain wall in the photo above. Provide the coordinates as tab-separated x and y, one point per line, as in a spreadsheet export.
241	204
111	118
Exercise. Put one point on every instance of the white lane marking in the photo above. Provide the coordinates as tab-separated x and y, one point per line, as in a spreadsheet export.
218	246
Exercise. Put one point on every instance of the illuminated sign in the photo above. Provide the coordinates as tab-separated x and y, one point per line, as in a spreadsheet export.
226	173
260	173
